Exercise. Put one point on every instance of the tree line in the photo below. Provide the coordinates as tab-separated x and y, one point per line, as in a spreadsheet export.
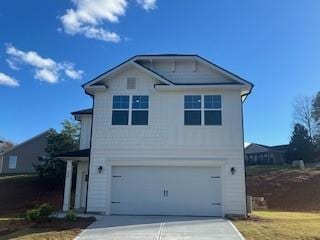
305	138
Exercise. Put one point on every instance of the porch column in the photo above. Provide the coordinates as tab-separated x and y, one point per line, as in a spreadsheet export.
67	186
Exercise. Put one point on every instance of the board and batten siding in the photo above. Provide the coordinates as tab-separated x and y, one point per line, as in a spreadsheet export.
85	132
165	140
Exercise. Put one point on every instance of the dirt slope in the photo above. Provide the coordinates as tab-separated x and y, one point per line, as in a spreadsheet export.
286	189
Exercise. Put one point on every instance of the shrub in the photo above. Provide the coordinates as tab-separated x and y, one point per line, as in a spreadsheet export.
45	210
71	216
33	215
39	214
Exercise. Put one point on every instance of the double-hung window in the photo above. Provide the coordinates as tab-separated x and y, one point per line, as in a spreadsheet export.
140	106
212	110
120	110
202	110
130	110
192	110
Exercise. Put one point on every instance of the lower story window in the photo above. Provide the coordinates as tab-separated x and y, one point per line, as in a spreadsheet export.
13	162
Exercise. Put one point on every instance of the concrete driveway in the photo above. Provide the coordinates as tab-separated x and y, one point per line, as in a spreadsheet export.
160	228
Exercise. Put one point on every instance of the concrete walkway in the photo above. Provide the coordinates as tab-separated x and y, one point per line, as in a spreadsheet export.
160	228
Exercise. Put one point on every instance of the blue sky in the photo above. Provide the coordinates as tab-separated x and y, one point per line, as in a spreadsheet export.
55	46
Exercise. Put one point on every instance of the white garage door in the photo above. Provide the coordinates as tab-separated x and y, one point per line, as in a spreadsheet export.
144	190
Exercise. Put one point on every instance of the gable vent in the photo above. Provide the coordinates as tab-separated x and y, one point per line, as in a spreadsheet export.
131	83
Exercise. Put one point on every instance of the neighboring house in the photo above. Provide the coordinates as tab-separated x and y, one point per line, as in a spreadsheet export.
257	154
20	158
164	137
4	146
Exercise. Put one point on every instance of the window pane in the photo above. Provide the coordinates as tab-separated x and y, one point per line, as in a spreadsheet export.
192	117
213	117
120	102
13	162
212	102
192	102
140	102
139	118
120	117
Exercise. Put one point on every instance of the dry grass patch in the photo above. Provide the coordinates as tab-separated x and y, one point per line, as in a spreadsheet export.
49	230
269	225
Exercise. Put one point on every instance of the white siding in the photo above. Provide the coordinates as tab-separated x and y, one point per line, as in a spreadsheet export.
187	71
85	131
166	139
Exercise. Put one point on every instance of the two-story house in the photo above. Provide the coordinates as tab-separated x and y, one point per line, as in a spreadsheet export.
164	137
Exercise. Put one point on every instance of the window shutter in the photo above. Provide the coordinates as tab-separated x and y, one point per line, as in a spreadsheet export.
131	83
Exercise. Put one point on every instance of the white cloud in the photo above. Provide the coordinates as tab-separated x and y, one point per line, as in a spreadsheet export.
71	72
88	17
46	75
8	81
12	64
147	4
46	69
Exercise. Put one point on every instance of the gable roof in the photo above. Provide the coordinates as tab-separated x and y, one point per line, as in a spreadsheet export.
27	141
283	147
134	61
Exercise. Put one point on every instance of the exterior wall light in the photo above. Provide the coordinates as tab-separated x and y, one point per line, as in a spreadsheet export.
232	170
100	169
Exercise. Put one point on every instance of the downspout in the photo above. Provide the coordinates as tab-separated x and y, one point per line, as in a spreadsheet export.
86	207
244	165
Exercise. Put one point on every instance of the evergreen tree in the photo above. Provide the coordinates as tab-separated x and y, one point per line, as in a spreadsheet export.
52	169
301	145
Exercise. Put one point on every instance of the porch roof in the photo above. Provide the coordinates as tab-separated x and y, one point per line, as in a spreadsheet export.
76	155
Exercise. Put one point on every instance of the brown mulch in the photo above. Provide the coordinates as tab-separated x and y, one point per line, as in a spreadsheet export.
63	224
52	223
291	190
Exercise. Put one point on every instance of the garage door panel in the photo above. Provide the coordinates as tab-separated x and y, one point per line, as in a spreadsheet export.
166	190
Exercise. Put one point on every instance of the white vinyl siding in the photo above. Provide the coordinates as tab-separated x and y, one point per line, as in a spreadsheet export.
165	139
13	162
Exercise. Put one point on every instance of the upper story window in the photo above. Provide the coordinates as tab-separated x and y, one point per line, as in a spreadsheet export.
212	110
140	106
130	110
192	110
202	110
120	110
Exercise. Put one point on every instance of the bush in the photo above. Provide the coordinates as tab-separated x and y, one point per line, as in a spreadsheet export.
71	216
33	215
39	214
45	210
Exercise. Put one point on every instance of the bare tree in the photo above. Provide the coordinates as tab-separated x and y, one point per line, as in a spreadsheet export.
302	113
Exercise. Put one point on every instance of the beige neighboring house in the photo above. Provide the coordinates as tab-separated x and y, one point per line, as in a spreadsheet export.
20	158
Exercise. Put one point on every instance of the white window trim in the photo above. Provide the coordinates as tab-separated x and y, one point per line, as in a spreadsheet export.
203	109
15	163
130	109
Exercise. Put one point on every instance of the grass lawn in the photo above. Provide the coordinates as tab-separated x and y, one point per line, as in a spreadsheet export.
269	225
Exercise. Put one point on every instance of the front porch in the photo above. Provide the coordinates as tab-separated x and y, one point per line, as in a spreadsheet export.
80	161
